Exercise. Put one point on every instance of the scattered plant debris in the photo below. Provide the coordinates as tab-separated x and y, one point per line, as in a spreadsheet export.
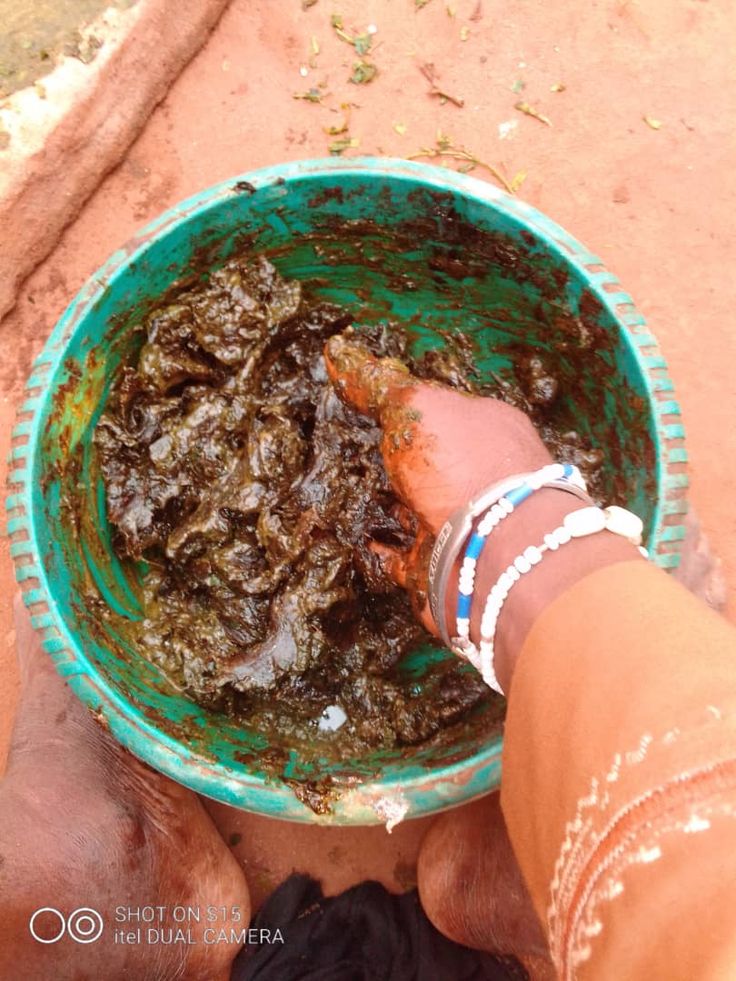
361	42
428	71
517	180
314	50
444	148
311	95
363	72
338	147
83	48
534	113
343	126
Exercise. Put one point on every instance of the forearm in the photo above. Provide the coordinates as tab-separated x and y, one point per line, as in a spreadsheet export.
619	785
620	751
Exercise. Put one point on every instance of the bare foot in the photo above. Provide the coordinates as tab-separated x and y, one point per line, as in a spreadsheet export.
471	887
85	824
700	570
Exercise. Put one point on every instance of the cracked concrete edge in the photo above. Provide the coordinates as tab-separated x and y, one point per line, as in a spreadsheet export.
65	134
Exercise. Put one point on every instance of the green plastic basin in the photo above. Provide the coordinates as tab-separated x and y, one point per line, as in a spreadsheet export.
393	240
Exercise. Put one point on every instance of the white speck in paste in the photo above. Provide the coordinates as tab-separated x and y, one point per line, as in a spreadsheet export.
332	718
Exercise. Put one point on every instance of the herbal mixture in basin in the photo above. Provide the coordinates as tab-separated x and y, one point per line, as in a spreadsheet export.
253	492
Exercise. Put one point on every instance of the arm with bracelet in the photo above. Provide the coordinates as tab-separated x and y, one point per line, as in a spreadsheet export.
619	768
459	534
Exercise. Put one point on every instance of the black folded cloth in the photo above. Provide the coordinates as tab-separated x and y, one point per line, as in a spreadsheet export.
364	934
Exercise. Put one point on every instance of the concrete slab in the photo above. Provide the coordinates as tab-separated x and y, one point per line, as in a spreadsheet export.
60	136
36	33
656	204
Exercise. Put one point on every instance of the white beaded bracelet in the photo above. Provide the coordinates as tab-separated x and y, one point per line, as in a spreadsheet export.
577	524
557	475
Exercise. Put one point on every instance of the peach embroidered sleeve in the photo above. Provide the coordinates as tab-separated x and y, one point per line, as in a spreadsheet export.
619	785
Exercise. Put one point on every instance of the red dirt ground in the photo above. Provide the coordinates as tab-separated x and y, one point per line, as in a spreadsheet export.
656	204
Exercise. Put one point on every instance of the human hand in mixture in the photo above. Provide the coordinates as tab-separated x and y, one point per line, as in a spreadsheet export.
440	445
440	448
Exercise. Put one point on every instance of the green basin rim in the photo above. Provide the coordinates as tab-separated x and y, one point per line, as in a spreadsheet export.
428	791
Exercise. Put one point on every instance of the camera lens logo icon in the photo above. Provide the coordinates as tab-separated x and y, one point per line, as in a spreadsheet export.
48	925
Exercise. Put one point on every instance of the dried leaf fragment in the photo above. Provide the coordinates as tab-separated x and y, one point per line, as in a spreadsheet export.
652	123
420	3
338	147
517	180
344	36
314	50
363	72
362	43
84	48
306	4
311	95
534	113
400	128
444	149
429	73
444	142
446	97
344	125
464	33
557	87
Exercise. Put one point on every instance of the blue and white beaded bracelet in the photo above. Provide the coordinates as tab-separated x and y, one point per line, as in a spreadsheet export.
577	524
551	475
455	532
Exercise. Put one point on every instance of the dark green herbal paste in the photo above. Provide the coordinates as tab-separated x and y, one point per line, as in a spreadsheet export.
252	492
